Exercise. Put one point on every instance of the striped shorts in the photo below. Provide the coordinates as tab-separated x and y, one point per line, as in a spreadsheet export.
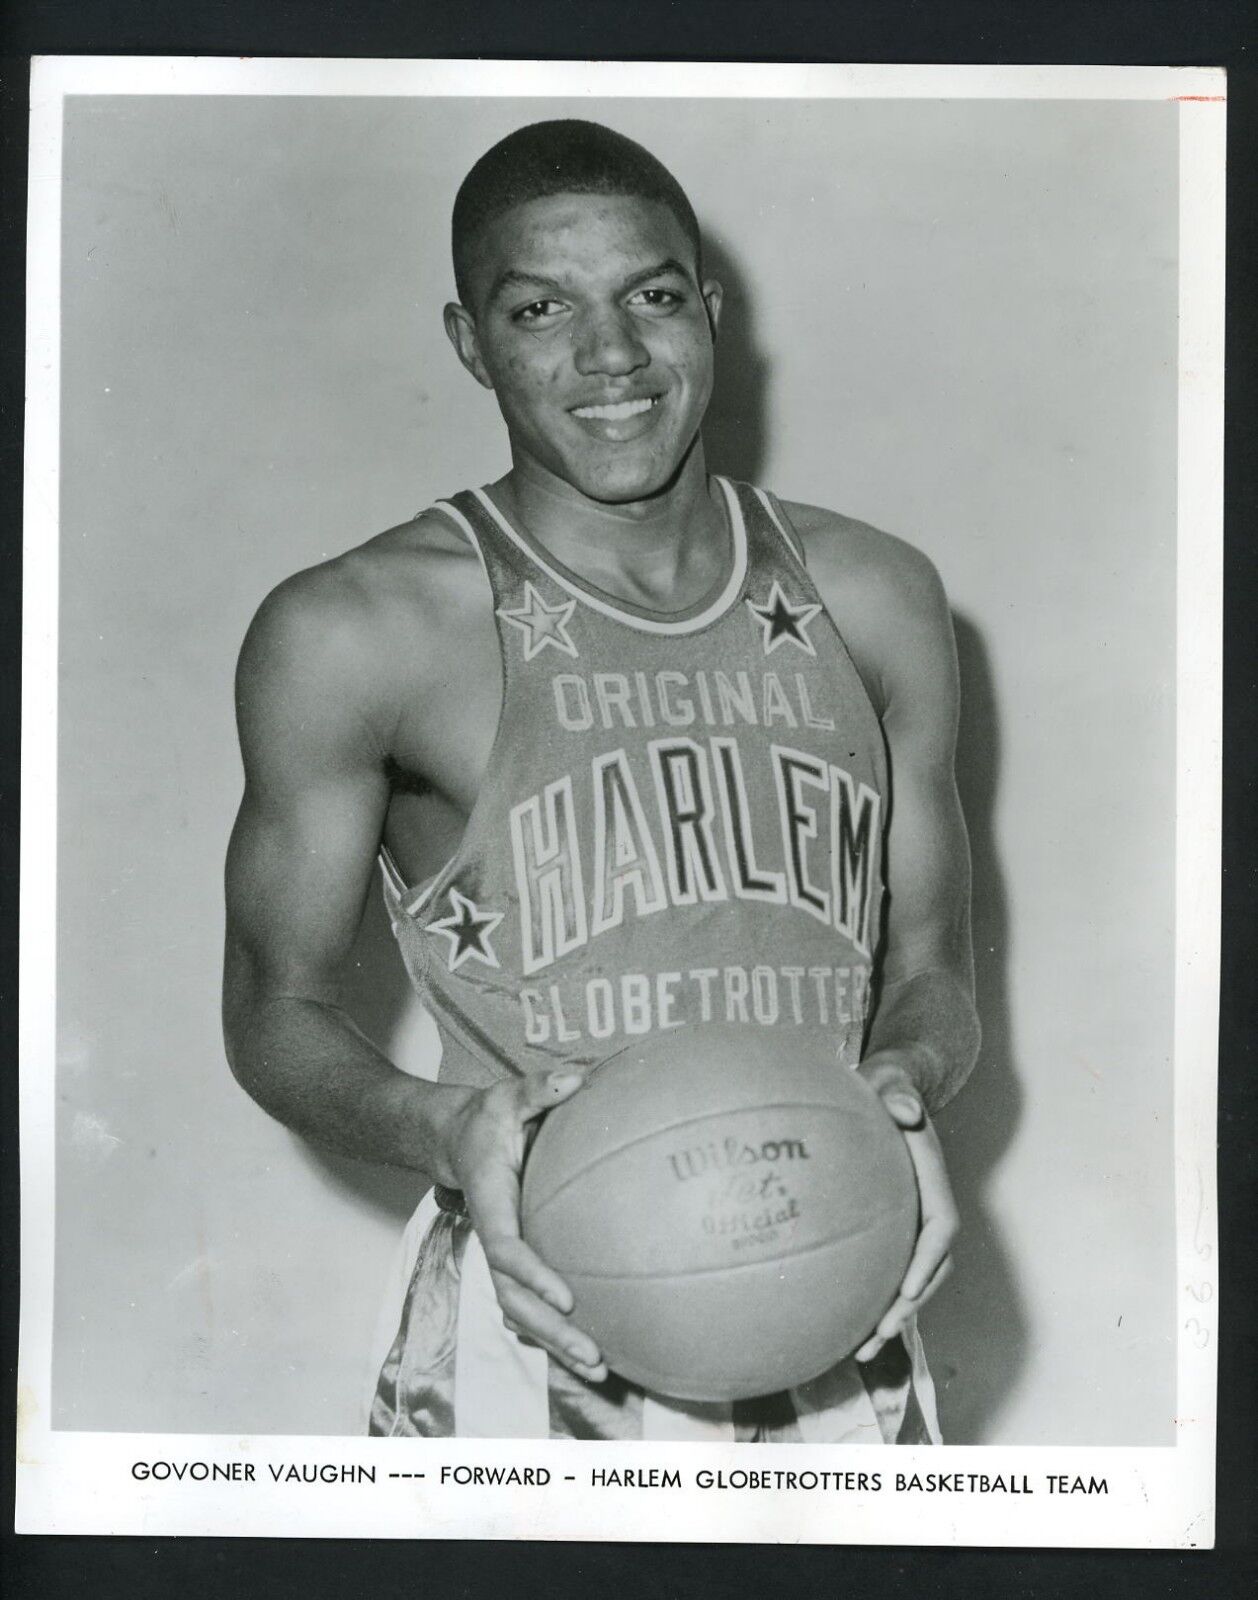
454	1370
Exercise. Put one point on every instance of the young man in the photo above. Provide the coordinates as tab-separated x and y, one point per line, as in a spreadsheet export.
627	740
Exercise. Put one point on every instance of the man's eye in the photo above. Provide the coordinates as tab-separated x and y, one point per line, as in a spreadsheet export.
656	299
537	311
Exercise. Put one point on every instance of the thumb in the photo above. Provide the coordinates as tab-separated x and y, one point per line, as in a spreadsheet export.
906	1109
542	1090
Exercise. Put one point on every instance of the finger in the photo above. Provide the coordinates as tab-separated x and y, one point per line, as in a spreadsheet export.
889	1325
493	1199
933	1244
534	1321
597	1374
928	1159
908	1305
933	1186
512	1325
493	1203
905	1306
940	1276
515	1260
928	1265
592	1373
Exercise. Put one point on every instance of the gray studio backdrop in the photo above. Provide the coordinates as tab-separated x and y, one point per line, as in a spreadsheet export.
955	320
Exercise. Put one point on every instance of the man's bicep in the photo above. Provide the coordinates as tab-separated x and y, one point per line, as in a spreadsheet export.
297	878
928	853
304	844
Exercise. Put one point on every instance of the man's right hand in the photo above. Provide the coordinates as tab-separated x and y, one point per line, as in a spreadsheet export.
485	1145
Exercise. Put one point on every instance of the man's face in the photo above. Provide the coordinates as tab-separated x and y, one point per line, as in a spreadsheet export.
589	325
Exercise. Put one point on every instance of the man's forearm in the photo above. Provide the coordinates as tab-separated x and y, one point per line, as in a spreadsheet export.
306	1063
931	1021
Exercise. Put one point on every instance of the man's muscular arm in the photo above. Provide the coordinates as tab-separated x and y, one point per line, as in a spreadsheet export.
298	869
313	712
925	1015
890	606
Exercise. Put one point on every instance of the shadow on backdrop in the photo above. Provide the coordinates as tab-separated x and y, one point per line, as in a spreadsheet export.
735	430
976	1328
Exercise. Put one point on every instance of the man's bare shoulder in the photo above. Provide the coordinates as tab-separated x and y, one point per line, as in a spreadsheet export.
338	654
344	617
888	602
856	558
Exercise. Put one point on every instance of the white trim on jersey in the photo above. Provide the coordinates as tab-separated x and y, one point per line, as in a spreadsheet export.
466	529
390	869
795	549
682	625
411	900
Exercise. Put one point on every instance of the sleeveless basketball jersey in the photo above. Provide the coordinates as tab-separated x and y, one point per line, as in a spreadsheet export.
680	822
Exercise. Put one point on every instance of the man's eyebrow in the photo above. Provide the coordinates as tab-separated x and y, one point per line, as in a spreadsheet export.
660	270
514	278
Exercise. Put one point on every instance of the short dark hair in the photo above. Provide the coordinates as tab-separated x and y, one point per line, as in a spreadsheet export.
561	157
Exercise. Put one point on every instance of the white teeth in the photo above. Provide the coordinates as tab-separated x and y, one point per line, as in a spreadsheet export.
616	413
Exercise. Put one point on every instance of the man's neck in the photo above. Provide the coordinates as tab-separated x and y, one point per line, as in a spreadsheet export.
666	551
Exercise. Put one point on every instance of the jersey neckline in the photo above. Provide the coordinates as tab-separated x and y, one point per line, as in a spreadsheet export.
699	614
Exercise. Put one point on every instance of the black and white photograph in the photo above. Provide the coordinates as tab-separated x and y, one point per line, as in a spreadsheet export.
620	854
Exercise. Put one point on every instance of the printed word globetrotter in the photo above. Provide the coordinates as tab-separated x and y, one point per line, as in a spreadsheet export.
693	803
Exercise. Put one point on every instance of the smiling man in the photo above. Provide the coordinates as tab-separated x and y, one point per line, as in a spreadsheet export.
625	738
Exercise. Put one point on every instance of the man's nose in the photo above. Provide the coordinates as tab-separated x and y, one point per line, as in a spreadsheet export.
609	344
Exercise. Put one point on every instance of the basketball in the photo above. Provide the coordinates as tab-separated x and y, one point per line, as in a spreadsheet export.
733	1212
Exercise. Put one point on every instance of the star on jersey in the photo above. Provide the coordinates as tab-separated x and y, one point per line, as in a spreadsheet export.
468	929
782	621
541	624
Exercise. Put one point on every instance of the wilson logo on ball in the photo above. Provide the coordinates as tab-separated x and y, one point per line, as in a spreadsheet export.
713	1157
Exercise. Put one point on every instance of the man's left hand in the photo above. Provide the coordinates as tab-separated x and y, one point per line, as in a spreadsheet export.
886	1072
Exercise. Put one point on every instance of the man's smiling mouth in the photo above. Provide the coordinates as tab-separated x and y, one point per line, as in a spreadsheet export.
619	412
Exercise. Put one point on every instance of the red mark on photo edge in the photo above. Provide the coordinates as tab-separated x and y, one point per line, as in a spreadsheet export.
1204	99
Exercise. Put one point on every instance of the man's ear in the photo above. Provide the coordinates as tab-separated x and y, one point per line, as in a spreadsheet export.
461	332
713	298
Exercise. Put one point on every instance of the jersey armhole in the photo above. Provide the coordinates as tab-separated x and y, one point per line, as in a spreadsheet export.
464	529
777	515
